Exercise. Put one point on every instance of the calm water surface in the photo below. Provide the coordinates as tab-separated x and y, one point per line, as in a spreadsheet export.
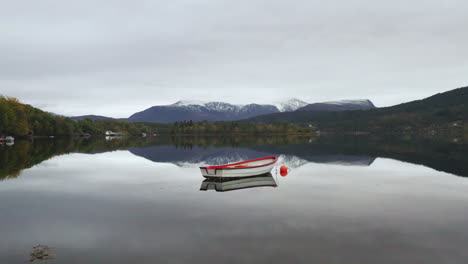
140	202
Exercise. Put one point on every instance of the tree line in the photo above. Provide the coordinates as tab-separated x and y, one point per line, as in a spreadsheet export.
21	120
233	127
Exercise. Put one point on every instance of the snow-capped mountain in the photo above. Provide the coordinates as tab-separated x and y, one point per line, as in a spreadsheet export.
282	106
212	106
222	111
290	105
199	111
343	105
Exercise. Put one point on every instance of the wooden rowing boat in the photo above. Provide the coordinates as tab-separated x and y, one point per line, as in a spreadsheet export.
241	169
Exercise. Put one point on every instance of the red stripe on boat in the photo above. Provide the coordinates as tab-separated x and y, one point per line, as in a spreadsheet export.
229	166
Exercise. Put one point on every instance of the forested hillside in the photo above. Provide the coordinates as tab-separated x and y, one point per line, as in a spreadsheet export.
19	119
443	111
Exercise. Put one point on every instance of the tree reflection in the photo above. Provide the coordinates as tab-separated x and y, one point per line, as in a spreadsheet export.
443	154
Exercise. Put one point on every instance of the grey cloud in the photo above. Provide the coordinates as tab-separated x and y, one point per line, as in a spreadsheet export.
70	55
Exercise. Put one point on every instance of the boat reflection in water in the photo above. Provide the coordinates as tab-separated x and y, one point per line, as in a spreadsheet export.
231	184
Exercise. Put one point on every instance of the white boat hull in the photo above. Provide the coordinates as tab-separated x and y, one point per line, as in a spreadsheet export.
236	172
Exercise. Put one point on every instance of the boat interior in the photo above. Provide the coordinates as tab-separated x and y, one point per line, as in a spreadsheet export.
251	163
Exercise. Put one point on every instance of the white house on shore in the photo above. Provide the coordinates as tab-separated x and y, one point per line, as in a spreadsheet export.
111	133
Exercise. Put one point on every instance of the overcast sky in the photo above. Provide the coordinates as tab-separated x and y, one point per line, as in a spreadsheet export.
118	57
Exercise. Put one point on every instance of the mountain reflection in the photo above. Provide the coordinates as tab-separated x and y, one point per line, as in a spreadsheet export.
199	156
440	154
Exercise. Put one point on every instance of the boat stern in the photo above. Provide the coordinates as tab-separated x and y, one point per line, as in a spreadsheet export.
209	172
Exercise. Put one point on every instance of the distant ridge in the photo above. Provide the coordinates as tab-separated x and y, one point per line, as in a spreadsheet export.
344	105
92	117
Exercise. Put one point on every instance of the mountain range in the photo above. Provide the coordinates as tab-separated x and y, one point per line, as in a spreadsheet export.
222	111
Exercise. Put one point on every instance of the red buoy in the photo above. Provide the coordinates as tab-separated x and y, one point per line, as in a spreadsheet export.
284	171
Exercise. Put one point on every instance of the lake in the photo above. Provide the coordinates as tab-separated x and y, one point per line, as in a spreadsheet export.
345	200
